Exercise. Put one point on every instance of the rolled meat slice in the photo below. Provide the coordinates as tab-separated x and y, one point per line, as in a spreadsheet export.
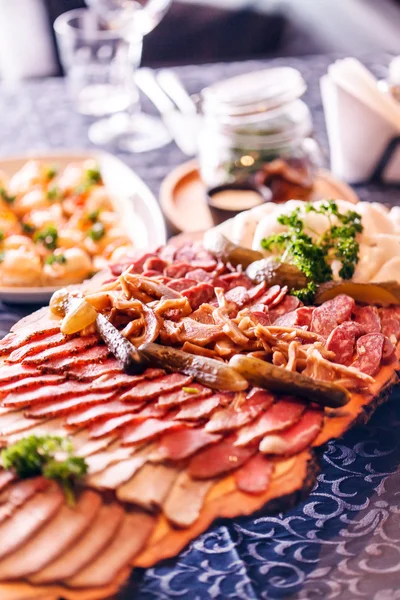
296	438
129	540
185	500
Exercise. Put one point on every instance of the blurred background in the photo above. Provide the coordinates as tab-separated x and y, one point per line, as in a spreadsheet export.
199	31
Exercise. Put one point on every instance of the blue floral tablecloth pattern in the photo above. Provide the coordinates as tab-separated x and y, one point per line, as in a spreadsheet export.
344	540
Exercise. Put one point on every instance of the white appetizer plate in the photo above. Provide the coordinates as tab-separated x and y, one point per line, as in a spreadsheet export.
138	209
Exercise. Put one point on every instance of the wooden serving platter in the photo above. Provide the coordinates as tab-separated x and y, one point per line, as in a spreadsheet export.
182	197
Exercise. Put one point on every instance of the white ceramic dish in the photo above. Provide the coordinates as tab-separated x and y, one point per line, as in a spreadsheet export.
139	211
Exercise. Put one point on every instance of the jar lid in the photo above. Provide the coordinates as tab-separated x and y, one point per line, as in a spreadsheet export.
254	92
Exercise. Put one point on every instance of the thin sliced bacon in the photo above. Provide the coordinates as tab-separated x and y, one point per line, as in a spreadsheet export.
234	417
198	409
183	395
296	438
255	475
284	413
181	444
146	390
30	383
219	459
185	500
9	373
74	346
369	353
147	430
36	346
65	407
81	360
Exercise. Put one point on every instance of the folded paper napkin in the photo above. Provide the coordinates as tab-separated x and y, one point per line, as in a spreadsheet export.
361	119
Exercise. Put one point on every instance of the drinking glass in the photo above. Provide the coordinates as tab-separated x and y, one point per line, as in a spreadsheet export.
101	51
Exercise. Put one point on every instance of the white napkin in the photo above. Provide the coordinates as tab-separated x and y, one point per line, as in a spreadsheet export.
361	120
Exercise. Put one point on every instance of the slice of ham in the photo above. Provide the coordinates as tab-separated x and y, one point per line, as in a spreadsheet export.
282	414
185	500
369	353
198	409
26	335
128	541
36	346
26	521
18	494
342	341
147	430
30	383
118	473
219	459
255	475
332	313
149	487
153	388
182	395
181	444
9	373
92	543
52	539
296	438
109	366
71	347
95	354
368	318
110	426
65	407
234	417
100	412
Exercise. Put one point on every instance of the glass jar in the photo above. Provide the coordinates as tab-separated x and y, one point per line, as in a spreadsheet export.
257	131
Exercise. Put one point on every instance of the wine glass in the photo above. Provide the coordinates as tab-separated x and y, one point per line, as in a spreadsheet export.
101	50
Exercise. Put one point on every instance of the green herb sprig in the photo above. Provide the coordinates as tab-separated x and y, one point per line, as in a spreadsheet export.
50	456
55	258
48	237
4	195
313	258
97	232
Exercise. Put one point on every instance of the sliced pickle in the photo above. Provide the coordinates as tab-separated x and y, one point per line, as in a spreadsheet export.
276	273
380	294
276	379
222	248
132	361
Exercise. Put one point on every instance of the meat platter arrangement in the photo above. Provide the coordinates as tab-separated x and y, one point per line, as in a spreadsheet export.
177	387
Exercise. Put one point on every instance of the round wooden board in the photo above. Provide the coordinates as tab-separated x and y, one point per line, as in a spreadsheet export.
182	197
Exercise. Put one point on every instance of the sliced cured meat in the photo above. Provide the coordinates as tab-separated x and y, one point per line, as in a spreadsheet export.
388	351
102	411
184	395
42	427
147	430
301	317
6	477
146	390
86	549
30	383
119	473
296	438
200	275
369	353
332	313
238	296
278	299
149	487
15	373
185	500
154	263
232	280
260	317
284	413
181	284
391	329
199	294
342	341
189	330
36	346
28	519
234	417
271	295
289	304
74	346
368	318
93	446
219	459
198	409
48	393
109	366
18	494
255	475
51	540
65	407
130	538
101	460
87	357
26	335
110	426
181	444
177	270
21	423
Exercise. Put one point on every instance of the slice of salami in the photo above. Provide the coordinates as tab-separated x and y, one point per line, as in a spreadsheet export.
342	341
199	294
391	329
388	352
270	295
368	318
369	353
332	313
279	297
289	304
301	317
181	284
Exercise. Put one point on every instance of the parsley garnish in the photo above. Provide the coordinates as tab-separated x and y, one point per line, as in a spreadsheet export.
51	172
54	193
28	228
6	197
55	258
93	215
93	176
97	231
48	237
50	456
313	257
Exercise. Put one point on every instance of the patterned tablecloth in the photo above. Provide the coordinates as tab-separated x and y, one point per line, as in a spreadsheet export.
344	541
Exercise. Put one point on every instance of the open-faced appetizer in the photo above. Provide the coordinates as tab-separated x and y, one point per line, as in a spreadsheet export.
56	227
